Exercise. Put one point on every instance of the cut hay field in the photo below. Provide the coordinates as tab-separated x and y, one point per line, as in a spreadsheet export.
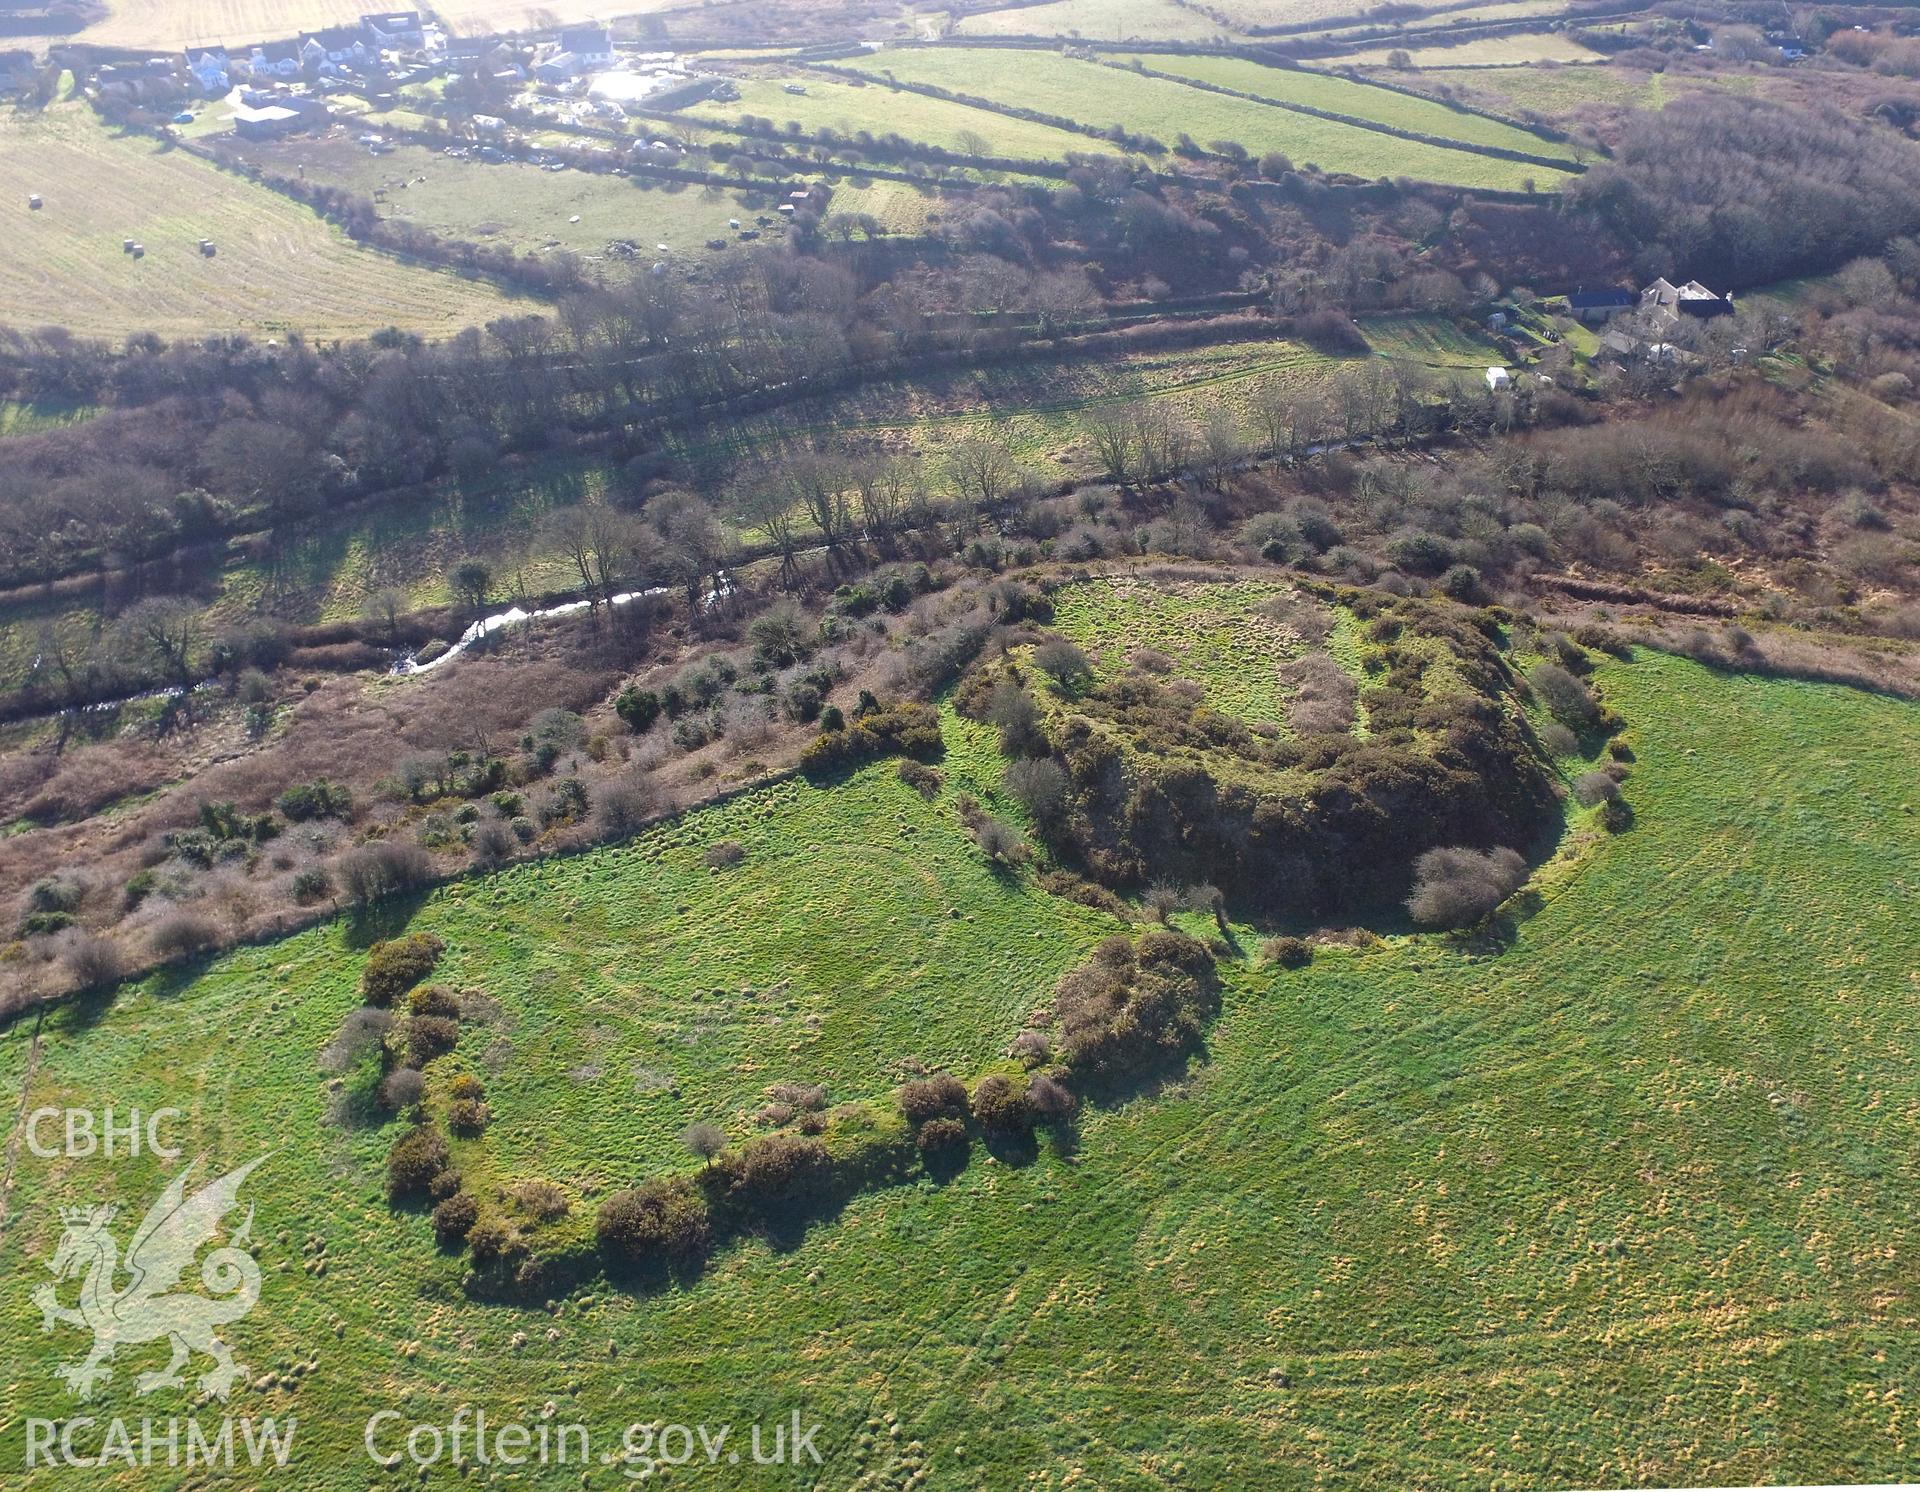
279	267
850	108
489	17
172	25
1095	94
1627	1201
1356	100
1097	20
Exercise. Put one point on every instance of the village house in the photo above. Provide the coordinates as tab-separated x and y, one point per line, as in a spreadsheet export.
396	30
1670	302
593	45
1595	307
335	47
212	71
275	59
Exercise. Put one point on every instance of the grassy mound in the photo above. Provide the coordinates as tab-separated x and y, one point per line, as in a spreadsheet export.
1234	760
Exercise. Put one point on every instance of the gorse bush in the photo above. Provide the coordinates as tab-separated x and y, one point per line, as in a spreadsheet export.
945	1138
1287	953
415	1159
1134	1007
468	1116
454	1217
319	799
774	1172
396	965
434	999
1000	1104
940	1096
663	1221
905	729
430	1036
924	780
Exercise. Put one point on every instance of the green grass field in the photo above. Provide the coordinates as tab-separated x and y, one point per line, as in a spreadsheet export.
1356	100
278	266
1627	1202
1493	51
1445	20
850	108
525	207
1094	94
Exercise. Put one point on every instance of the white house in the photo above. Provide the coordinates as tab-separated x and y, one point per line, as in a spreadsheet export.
275	59
211	71
593	45
396	30
1498	379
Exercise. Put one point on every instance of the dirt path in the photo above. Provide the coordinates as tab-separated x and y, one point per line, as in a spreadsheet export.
19	1127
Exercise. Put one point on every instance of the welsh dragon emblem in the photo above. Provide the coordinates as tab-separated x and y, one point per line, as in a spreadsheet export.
147	1308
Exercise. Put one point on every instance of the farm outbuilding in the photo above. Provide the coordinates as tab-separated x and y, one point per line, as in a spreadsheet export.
1498	379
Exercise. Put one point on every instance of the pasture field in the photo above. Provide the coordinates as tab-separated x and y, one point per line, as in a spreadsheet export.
1493	51
1552	92
279	267
850	108
903	209
1097	20
1586	1208
1094	94
1356	100
525	207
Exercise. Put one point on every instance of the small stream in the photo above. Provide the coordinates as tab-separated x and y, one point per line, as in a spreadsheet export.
513	616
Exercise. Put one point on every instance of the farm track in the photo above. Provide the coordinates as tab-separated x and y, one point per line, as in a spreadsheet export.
18	1132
